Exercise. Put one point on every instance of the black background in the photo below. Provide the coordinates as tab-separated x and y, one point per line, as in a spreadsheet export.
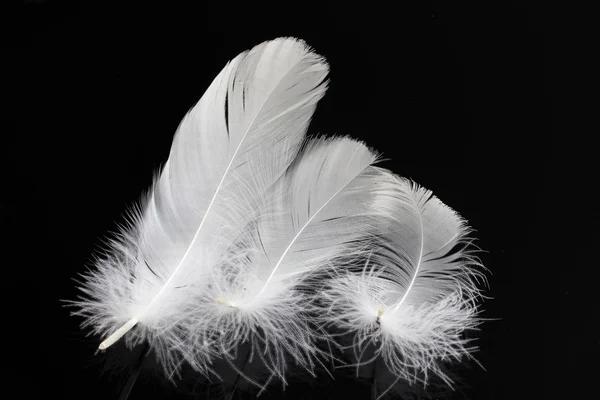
469	102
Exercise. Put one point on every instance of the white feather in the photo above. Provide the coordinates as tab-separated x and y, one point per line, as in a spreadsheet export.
322	211
228	152
416	294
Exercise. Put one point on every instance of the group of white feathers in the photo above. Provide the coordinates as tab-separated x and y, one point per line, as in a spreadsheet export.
252	233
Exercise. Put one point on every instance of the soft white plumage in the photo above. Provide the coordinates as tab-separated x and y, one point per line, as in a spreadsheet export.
228	152
231	238
310	220
416	293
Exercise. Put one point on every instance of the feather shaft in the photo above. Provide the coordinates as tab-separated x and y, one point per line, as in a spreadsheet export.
118	334
416	273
